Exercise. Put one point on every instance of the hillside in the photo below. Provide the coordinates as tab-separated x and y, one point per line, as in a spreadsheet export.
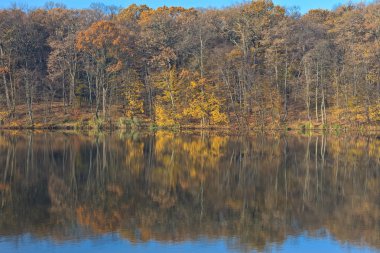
249	66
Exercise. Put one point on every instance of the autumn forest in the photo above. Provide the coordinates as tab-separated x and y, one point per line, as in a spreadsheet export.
249	66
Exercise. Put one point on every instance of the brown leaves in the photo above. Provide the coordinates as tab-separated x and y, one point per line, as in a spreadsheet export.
132	13
101	35
4	70
106	43
115	67
4	187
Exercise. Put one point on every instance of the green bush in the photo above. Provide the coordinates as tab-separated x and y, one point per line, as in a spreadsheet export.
133	123
336	128
81	124
97	123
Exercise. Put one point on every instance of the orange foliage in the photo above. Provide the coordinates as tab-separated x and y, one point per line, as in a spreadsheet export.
4	70
101	37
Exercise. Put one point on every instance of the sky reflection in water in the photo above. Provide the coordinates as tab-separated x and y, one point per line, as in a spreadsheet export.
113	243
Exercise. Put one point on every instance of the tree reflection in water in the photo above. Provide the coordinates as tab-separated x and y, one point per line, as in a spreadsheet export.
173	187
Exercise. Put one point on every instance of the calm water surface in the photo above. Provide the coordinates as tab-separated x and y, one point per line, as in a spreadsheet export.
169	192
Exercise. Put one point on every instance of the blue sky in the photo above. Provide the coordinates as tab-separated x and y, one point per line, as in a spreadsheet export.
304	5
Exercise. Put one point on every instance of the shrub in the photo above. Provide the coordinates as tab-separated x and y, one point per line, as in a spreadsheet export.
96	123
81	124
129	123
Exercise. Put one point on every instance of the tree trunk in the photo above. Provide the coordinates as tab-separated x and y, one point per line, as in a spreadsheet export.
6	91
72	88
5	80
29	98
286	85
307	90
104	93
316	95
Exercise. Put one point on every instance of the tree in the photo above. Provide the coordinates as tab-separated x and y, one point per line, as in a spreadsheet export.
255	64
104	42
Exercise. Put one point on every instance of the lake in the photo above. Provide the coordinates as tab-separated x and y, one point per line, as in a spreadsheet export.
188	192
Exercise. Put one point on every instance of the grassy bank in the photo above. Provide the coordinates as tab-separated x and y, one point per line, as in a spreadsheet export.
57	116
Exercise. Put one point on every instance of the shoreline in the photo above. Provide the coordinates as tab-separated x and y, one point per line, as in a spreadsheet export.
83	119
364	130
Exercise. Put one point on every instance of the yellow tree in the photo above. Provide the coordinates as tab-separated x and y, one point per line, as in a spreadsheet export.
162	45
203	105
133	94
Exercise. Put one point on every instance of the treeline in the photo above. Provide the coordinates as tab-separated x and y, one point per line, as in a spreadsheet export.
254	64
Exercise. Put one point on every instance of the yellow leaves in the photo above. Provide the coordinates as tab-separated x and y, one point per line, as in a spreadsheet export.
202	104
163	118
162	140
235	53
186	98
218	117
194	110
134	89
374	113
135	157
217	144
193	84
193	173
134	107
372	77
358	112
374	148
